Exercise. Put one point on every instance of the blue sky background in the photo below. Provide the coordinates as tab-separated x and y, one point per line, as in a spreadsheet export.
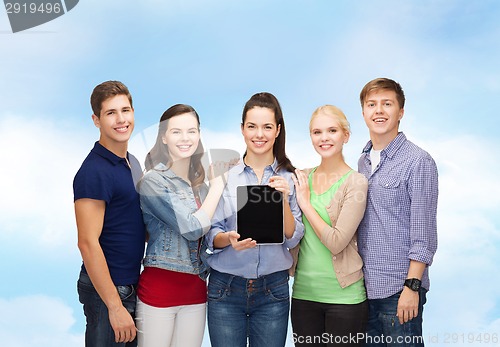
215	55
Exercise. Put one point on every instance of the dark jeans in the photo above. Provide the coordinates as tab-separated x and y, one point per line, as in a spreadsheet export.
99	332
240	308
384	328
320	324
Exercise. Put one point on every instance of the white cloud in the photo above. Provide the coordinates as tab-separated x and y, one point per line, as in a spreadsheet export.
469	235
37	321
41	159
469	171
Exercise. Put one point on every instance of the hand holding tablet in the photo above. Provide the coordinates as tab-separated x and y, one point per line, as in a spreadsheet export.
238	243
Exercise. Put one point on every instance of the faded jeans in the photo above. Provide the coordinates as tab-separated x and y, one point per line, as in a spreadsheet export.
240	308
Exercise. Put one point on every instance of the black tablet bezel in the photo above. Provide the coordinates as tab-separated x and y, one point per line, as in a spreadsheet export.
260	214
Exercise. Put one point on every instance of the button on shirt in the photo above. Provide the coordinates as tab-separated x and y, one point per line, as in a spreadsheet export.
400	219
260	260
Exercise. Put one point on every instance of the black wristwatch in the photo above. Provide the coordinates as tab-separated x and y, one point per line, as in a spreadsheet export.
413	283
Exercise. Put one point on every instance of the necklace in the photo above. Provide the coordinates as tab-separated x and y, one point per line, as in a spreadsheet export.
128	163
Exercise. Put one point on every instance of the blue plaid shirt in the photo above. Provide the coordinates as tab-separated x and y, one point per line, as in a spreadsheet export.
400	219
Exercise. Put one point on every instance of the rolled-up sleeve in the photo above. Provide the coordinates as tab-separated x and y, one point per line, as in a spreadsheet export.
298	233
423	190
218	226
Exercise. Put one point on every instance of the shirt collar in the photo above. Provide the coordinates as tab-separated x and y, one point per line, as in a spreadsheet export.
165	170
240	167
391	148
107	154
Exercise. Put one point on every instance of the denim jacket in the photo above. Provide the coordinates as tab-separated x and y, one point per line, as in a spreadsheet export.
174	222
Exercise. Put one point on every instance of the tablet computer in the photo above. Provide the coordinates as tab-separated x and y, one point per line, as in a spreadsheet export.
260	214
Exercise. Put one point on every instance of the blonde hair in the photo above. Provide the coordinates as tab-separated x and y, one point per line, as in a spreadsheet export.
334	112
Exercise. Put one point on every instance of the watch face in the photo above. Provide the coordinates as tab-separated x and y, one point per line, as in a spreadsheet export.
413	284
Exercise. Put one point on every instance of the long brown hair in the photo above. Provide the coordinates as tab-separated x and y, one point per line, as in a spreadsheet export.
160	154
269	101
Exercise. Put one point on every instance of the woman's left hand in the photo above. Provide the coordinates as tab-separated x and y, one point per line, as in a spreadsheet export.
281	184
301	188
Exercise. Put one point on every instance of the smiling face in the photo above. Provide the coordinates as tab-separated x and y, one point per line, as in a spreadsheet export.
116	122
260	131
182	136
382	114
327	135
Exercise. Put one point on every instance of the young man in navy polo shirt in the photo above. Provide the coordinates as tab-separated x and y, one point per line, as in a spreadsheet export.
111	233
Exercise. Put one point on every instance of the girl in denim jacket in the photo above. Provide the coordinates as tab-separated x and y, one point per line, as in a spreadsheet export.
177	208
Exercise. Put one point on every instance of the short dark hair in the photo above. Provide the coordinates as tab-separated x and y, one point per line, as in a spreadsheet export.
106	90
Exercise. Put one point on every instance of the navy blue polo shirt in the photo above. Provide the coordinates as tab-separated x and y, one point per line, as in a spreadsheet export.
105	176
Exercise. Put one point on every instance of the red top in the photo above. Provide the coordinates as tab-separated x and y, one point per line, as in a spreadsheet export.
163	288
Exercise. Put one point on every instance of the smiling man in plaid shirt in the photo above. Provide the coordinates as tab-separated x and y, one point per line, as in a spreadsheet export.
397	237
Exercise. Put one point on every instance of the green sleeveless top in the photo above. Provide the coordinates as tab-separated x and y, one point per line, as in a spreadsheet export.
315	278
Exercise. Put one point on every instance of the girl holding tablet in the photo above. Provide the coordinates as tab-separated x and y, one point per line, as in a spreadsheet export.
329	297
248	294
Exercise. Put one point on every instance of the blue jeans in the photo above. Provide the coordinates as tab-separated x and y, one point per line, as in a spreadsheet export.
384	328
99	332
240	308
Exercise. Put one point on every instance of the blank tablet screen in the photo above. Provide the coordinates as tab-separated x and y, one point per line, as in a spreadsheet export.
260	214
